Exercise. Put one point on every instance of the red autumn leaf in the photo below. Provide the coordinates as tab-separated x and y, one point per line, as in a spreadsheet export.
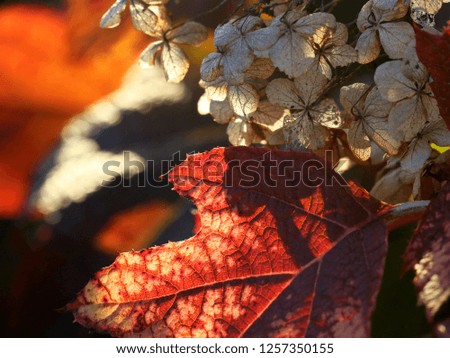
56	63
273	258
434	52
428	254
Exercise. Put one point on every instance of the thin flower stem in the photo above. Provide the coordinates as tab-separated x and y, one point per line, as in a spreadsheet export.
405	213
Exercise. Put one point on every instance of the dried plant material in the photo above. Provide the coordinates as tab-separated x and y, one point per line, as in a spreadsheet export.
151	17
235	55
287	39
395	186
203	105
173	59
283	245
311	115
331	50
379	29
112	17
388	4
264	126
242	95
148	56
243	99
240	132
368	113
419	148
147	16
174	62
414	103
222	112
268	116
211	68
423	11
261	68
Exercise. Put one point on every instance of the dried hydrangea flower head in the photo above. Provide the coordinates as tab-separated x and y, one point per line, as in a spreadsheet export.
279	66
311	114
368	113
173	59
409	91
152	18
382	28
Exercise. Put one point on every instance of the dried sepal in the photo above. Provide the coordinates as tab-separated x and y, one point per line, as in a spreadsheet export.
394	186
203	105
261	68
264	126
386	4
216	90
368	113
287	40
395	37
305	133
414	103
411	66
150	19
221	111
148	56
282	91
331	50
190	33
174	62
211	67
358	141
234	55
311	114
419	148
243	99
112	16
268	116
380	28
173	59
240	132
146	15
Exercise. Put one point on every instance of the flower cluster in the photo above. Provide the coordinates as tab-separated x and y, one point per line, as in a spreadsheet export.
287	73
276	71
152	18
306	48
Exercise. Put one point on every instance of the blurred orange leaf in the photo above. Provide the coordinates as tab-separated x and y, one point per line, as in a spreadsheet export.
136	228
56	63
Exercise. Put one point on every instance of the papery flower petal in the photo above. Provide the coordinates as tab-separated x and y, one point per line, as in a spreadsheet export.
395	37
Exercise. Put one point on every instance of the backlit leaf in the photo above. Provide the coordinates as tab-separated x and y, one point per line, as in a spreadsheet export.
428	253
274	257
434	52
